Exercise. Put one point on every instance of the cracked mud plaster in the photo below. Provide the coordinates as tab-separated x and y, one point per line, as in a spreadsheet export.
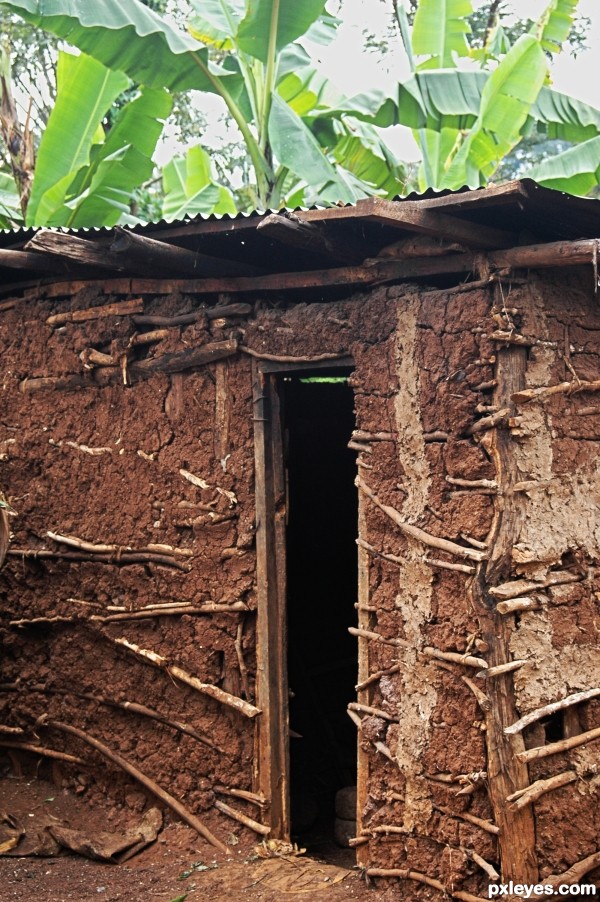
418	699
560	513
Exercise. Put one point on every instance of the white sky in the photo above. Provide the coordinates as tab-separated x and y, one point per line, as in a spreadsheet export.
354	70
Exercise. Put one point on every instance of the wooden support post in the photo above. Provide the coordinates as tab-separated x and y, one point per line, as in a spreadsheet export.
506	773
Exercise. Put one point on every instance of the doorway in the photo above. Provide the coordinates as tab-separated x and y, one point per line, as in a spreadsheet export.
321	563
307	586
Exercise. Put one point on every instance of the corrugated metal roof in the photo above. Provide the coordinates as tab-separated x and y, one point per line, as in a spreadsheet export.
526	192
499	216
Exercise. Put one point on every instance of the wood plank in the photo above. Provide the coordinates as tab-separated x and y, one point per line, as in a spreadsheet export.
411	217
271	679
537	256
138	252
293	231
388	271
268	366
513	192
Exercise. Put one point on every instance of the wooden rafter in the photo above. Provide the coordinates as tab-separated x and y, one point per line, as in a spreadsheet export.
293	231
410	216
142	253
70	247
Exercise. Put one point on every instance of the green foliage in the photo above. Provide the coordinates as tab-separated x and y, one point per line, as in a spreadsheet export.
440	32
189	187
576	170
478	91
467	121
84	177
10	206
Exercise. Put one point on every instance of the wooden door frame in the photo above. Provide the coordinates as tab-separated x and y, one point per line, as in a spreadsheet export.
271	760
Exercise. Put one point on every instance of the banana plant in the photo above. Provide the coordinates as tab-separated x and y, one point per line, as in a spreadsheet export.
287	104
246	52
467	119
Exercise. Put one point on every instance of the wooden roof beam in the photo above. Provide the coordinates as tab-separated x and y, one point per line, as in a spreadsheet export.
514	193
142	253
32	261
69	247
410	216
134	253
291	230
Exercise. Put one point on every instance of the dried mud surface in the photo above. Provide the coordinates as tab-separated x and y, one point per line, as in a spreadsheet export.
170	869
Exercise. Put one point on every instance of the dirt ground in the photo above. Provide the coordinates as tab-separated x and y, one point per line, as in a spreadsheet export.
177	867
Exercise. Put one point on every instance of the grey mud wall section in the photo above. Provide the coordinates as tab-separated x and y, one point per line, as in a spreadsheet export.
477	428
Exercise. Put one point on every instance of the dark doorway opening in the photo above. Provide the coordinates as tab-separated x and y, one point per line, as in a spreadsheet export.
321	554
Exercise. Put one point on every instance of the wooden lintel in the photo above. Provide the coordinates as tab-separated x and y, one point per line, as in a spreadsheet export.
293	231
70	247
137	252
410	216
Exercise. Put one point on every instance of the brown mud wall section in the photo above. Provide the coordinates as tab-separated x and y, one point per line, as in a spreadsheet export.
518	496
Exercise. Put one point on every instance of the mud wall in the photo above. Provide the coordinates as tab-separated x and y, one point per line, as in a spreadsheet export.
514	479
448	455
162	466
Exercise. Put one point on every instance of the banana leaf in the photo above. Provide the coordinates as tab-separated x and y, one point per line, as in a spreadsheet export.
576	171
555	23
190	190
122	163
506	100
361	151
297	149
294	91
127	37
216	22
289	19
85	92
440	32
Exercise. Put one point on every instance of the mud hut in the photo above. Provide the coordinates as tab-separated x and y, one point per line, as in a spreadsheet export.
310	500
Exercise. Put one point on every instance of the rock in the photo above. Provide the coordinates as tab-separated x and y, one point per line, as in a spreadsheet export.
345	803
343	831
